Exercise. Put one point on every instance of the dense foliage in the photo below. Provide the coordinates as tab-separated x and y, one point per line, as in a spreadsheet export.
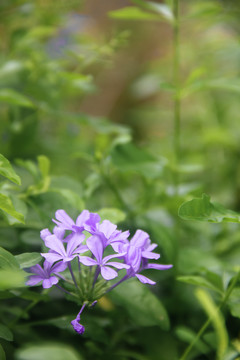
129	109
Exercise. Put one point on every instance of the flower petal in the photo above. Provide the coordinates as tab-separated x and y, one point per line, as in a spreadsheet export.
37	269
44	233
64	220
94	244
58	267
158	266
53	243
107	228
82	218
86	260
139	239
108	273
47	283
150	255
74	242
118	265
145	280
52	257
109	257
33	280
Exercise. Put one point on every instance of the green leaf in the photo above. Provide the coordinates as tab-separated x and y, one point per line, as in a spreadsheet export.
53	351
141	304
114	215
7	260
202	209
161	9
5	333
10	279
129	158
7	206
27	260
198	280
217	319
20	207
12	97
188	335
71	197
7	170
234	303
2	353
44	165
133	13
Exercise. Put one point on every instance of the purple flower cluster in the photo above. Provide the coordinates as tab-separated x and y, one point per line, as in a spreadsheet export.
101	248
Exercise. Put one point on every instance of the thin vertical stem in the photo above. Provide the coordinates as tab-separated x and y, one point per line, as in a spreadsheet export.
176	77
208	321
73	277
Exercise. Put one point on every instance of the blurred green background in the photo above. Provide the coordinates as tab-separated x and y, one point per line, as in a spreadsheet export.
130	109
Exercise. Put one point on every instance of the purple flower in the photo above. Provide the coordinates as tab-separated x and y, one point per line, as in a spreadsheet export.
45	274
75	323
138	251
95	244
77	326
107	232
57	250
141	240
64	221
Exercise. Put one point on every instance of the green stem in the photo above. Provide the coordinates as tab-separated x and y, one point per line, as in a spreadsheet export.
176	77
208	321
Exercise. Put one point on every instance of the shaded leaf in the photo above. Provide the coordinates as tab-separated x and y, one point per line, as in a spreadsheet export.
188	335
7	206
133	13
7	171
5	333
141	304
53	351
7	260
198	280
202	209
12	97
11	279
44	165
27	260
112	214
2	353
161	9
129	158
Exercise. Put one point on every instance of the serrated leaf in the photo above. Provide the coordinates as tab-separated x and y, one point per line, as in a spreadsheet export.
199	281
7	171
133	13
7	206
141	304
112	214
5	333
27	260
53	351
12	97
202	209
